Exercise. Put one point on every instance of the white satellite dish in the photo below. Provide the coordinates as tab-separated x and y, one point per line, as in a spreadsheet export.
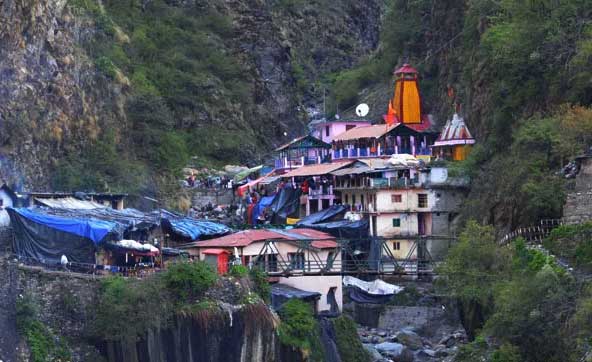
362	110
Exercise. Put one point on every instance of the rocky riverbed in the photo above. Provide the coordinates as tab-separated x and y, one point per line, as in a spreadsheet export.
418	325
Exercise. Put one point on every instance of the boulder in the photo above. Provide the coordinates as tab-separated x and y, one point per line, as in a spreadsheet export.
427	353
410	339
389	348
374	354
376	340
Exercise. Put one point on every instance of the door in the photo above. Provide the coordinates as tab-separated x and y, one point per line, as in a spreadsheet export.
421	224
222	263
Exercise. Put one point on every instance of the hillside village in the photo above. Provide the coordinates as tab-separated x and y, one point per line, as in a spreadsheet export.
360	197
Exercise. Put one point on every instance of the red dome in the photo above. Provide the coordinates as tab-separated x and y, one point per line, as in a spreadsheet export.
406	69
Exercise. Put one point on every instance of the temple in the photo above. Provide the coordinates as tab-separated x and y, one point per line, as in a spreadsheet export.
405	107
455	141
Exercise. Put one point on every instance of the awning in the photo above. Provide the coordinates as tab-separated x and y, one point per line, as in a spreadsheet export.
243	174
281	293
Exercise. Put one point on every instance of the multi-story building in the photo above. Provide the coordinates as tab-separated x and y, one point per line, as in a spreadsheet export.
402	203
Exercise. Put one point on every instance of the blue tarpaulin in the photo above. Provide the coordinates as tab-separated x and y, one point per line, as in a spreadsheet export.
92	229
261	205
190	228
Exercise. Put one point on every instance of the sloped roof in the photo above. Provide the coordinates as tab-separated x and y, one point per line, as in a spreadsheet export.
316	170
406	68
379	130
307	141
455	132
247	237
374	131
69	203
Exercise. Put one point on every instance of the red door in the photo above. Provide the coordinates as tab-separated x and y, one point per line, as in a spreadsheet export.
222	263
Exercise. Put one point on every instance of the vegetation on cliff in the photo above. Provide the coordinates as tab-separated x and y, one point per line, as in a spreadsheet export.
128	308
43	344
517	301
519	69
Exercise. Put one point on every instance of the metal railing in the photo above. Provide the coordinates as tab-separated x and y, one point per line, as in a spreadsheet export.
532	234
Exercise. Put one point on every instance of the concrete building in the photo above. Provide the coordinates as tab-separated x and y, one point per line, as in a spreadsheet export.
279	250
327	131
403	203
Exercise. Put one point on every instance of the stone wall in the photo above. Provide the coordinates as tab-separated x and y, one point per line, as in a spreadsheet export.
578	205
201	198
8	288
65	302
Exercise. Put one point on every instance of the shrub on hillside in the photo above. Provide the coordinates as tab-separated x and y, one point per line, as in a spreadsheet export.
189	280
261	284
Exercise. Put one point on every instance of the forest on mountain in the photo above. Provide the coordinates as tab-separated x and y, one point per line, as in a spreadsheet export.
520	71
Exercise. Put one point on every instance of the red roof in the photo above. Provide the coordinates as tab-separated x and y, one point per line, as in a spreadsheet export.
407	69
247	237
419	127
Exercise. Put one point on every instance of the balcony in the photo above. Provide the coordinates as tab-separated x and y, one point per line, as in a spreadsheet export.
358	152
285	163
380	183
321	193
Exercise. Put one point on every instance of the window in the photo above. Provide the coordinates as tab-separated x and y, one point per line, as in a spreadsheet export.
397	245
422	200
353	199
346	199
327	131
296	260
396	198
396	223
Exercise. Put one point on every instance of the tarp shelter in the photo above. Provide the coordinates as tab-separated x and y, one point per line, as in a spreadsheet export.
131	223
375	292
281	293
190	229
243	174
285	203
260	207
345	229
332	213
46	237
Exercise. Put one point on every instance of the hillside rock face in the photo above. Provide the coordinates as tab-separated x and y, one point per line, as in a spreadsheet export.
54	101
51	98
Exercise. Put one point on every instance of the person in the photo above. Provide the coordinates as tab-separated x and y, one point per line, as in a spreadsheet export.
304	187
64	262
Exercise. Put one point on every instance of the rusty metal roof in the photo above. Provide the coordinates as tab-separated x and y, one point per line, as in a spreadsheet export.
316	170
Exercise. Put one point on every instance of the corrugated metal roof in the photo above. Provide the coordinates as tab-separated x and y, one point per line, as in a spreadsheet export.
375	131
316	170
70	203
315	143
351	171
247	237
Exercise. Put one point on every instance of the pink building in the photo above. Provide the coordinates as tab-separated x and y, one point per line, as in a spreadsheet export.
327	131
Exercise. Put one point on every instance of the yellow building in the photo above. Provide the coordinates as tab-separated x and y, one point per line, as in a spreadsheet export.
405	107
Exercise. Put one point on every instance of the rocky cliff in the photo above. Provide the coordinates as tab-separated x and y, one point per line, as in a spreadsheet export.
52	100
64	307
137	87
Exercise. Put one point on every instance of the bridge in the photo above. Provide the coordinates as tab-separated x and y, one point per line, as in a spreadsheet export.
356	257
